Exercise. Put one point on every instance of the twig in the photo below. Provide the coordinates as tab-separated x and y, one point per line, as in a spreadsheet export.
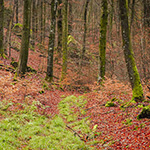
75	133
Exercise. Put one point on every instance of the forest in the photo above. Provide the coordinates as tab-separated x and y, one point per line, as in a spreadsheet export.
74	74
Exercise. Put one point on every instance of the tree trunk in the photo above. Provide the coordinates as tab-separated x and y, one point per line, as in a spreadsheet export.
102	43
49	75
129	55
23	58
70	18
16	5
8	34
132	13
33	22
41	21
1	27
59	26
64	38
85	29
146	13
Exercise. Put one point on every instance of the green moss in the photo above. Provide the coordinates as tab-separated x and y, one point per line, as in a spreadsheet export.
145	113
14	64
110	104
27	129
127	122
137	89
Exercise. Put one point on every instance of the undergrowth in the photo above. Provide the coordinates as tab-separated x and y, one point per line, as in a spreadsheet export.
26	129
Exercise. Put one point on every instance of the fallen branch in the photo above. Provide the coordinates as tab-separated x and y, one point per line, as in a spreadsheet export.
76	133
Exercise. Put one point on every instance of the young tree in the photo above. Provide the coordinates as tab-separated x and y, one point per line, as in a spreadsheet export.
85	29
102	43
129	55
1	27
64	37
41	21
146	13
70	17
23	58
7	42
49	75
33	22
59	26
16	5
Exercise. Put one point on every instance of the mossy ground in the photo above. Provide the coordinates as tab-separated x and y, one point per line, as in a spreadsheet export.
26	129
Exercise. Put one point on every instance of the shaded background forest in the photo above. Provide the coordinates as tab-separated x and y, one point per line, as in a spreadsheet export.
139	18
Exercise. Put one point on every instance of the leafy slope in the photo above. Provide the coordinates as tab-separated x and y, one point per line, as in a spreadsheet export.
119	127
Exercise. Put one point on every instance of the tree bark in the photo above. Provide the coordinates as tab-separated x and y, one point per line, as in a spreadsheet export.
102	43
23	58
16	5
146	13
85	29
1	27
64	38
33	22
59	26
129	55
49	75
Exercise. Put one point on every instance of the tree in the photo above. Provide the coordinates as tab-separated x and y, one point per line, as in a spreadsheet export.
49	75
85	29
16	4
102	43
33	22
134	77
41	21
70	18
64	37
1	27
59	26
7	42
146	13
23	58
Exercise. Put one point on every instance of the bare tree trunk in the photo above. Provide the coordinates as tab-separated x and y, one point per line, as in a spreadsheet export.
16	5
33	22
23	58
1	27
59	26
85	29
146	13
49	75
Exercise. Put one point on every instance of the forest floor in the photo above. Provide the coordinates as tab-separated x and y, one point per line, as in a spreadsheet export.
118	127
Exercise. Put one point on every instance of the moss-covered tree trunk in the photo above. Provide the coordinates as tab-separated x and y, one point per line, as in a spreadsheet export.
59	26
128	53
49	75
1	27
64	37
23	58
102	43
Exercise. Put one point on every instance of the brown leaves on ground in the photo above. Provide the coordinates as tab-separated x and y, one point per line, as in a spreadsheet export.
119	127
